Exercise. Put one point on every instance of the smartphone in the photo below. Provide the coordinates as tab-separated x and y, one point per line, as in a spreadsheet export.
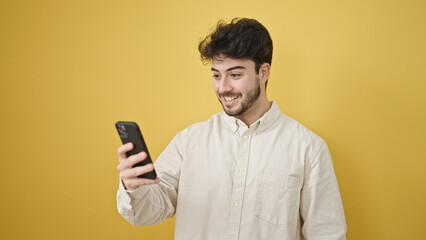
129	132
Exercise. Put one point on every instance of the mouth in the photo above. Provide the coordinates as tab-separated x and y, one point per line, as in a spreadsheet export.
230	98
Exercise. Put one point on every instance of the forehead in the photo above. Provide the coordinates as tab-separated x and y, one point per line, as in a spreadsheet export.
223	63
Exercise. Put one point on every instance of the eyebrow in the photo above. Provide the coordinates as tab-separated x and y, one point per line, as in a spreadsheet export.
229	69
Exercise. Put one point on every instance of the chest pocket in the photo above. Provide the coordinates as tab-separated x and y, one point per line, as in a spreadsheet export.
278	198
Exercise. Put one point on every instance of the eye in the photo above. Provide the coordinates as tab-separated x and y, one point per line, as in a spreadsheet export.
235	75
216	76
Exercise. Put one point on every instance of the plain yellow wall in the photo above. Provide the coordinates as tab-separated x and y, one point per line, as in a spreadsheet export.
352	71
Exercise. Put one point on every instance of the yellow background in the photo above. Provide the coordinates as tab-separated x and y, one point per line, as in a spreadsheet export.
352	71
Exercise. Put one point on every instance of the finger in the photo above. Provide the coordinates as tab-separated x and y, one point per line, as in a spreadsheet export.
134	159
129	173
123	149
131	161
134	183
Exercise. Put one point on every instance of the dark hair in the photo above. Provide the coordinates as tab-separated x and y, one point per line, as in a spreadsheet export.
241	38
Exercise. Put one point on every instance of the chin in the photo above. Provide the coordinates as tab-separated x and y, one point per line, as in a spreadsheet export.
233	113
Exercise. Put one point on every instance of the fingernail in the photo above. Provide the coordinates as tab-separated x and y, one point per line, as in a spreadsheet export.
149	166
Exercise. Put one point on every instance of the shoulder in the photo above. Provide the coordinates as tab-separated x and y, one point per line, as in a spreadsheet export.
299	135
201	128
293	126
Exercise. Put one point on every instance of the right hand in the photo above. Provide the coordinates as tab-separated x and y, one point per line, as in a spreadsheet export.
128	173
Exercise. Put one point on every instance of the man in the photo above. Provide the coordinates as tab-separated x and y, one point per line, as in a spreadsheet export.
248	173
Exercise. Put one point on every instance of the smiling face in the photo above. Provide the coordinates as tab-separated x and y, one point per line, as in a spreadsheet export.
237	85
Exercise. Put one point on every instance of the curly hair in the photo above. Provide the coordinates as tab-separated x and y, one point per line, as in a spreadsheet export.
241	38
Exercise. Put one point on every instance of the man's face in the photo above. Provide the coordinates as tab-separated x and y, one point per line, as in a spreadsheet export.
236	84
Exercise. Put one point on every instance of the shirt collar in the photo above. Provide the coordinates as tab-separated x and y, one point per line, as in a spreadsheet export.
259	125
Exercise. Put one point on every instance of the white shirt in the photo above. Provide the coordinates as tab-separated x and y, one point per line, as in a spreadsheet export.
224	180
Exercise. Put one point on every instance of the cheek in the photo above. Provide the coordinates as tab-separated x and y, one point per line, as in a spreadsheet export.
240	86
215	86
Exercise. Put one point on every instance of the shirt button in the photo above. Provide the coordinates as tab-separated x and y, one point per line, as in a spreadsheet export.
241	170
236	204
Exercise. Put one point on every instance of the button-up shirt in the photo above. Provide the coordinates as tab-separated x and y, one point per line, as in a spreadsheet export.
223	179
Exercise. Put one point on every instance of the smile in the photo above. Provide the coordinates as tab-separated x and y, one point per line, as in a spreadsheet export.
230	98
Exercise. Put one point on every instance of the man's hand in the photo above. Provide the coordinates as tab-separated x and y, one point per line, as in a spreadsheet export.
128	173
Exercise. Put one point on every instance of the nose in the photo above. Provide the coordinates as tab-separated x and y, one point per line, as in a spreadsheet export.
224	85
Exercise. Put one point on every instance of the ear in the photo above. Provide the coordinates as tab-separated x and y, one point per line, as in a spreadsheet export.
264	71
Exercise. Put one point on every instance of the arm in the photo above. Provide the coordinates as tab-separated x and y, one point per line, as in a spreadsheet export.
144	201
321	205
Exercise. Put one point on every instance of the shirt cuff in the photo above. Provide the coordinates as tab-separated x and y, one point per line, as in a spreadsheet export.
133	194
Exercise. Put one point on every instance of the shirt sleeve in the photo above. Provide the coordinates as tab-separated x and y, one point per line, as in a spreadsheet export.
321	205
151	204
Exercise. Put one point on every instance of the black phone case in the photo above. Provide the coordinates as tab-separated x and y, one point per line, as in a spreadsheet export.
130	132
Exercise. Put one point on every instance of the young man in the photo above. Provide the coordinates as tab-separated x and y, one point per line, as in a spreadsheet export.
250	172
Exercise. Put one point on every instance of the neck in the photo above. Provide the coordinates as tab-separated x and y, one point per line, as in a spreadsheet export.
259	108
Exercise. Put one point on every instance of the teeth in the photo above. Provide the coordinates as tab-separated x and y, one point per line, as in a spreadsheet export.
230	98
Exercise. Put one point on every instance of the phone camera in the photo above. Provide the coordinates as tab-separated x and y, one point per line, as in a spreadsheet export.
122	131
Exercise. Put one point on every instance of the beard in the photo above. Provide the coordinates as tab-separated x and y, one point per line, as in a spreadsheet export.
252	96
